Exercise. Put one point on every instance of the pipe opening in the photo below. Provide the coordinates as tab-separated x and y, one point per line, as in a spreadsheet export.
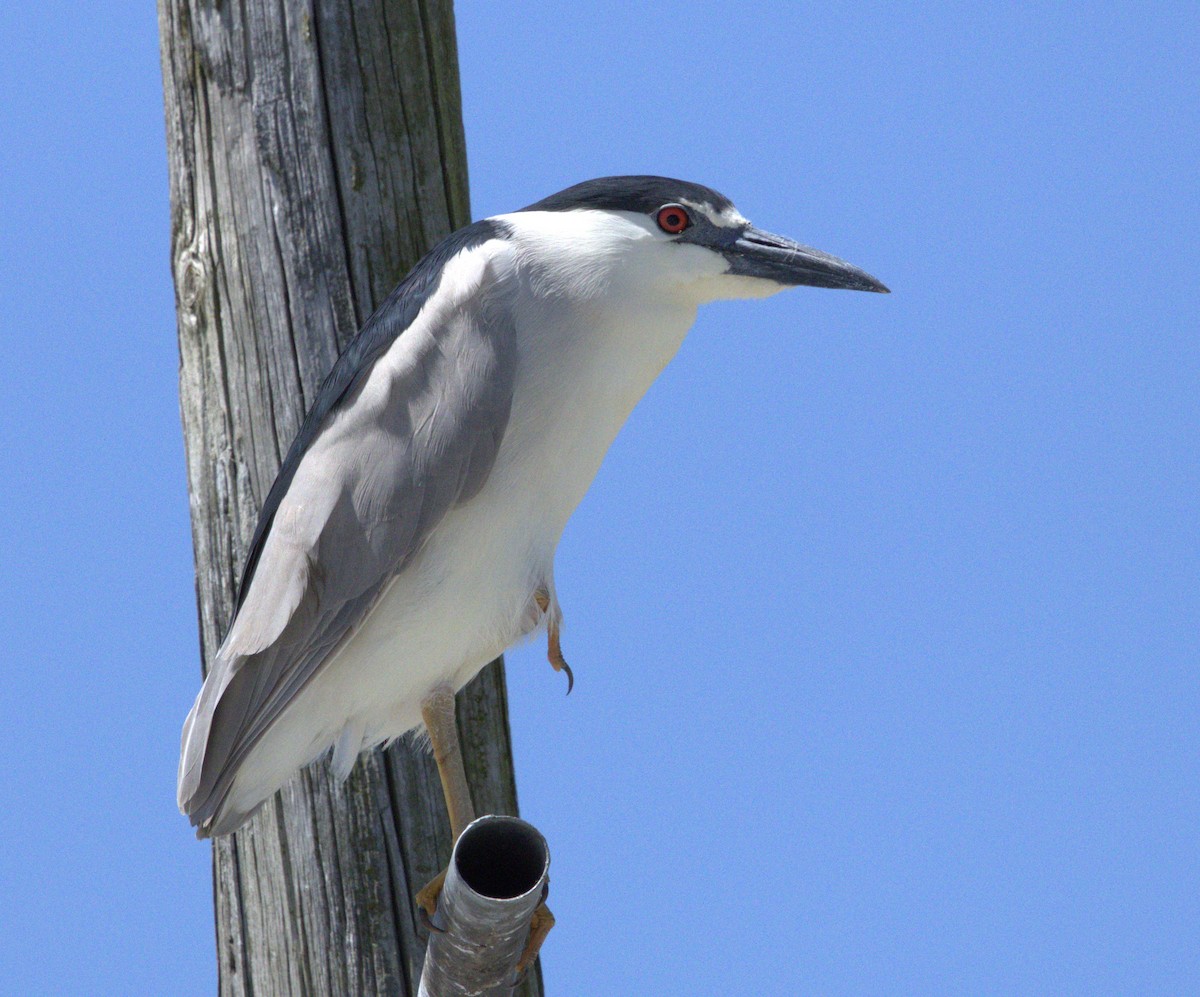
501	857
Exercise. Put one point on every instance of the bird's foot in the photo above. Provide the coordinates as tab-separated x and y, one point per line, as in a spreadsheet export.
427	899
539	927
553	647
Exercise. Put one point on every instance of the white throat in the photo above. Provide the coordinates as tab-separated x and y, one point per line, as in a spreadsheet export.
598	320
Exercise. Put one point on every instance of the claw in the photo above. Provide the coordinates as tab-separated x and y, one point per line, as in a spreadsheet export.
553	648
559	663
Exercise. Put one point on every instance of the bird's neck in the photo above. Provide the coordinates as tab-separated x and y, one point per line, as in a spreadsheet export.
583	365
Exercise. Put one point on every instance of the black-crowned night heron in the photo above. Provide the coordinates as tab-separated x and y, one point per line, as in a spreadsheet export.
409	538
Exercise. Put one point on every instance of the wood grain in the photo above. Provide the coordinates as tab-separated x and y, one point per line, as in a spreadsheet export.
315	151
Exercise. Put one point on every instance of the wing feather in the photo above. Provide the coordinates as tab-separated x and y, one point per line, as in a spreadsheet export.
404	431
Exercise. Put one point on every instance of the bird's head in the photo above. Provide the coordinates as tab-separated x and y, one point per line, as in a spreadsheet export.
680	237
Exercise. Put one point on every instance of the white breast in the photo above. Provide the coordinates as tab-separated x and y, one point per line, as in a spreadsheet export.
591	340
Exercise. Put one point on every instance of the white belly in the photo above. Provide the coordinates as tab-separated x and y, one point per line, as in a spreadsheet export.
468	595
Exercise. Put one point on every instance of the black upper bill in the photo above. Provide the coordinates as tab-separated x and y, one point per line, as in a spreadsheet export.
772	257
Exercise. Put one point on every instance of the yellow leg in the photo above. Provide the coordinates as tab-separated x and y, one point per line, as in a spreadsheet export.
438	713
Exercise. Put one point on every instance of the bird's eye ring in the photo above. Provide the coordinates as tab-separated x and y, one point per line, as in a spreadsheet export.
673	218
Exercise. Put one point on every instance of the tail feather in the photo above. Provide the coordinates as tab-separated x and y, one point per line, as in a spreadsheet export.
211	748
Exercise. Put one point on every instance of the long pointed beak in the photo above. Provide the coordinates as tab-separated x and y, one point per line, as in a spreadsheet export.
772	257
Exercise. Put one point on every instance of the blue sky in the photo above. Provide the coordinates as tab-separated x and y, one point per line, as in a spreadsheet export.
883	611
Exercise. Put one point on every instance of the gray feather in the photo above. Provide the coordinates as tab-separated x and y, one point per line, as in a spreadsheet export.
385	466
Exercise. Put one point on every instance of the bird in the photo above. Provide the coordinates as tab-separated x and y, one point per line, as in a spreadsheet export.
410	535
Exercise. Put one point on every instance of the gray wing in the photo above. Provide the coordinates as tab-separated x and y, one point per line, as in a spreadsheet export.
413	432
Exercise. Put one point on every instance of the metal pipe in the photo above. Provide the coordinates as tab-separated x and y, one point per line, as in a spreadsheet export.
496	879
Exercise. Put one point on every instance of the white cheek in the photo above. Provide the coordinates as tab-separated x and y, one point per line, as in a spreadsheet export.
696	264
728	286
704	276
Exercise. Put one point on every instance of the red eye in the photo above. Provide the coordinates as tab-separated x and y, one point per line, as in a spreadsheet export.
673	219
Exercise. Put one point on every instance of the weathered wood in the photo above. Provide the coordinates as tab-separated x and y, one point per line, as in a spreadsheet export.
316	151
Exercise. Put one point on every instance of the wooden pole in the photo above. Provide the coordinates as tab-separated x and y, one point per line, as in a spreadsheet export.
315	151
